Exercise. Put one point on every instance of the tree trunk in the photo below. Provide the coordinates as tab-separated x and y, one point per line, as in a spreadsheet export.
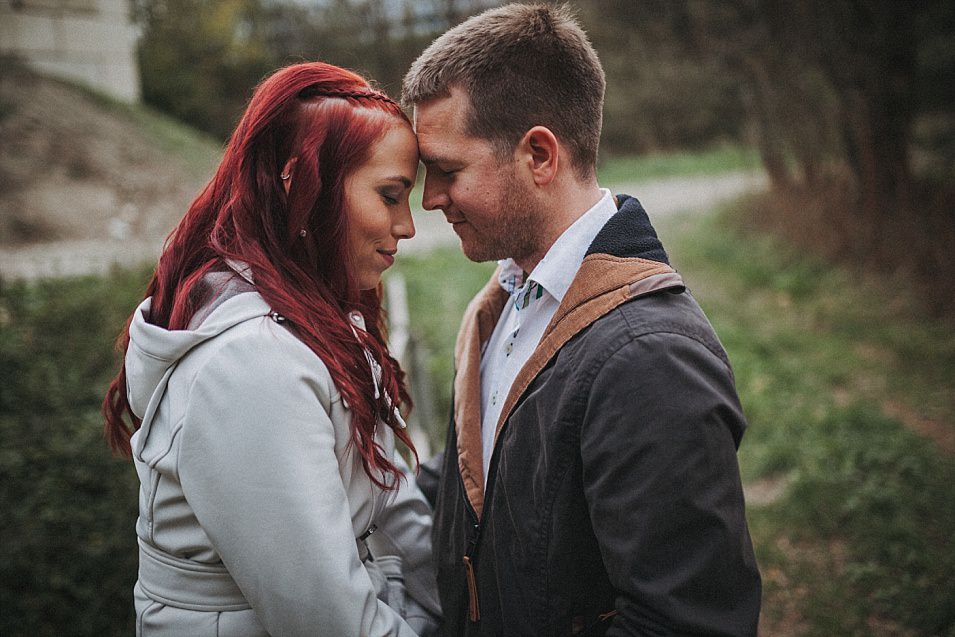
769	138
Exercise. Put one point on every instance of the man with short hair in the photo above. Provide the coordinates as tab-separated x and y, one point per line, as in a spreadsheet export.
590	482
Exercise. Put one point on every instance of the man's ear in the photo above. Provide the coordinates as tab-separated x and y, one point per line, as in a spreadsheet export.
541	153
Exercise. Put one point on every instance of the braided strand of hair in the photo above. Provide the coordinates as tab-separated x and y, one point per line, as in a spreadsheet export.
317	91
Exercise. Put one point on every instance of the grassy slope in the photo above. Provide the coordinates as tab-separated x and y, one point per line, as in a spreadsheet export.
103	162
197	151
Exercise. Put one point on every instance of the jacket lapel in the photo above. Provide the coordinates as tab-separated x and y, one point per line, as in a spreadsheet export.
602	283
476	329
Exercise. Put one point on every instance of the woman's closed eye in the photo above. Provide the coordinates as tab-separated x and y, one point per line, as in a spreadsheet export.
391	198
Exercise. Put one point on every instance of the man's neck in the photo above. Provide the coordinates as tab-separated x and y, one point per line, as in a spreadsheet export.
563	209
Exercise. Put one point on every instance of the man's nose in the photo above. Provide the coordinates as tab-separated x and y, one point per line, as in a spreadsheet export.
435	194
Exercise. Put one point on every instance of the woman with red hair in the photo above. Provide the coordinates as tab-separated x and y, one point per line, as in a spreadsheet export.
262	402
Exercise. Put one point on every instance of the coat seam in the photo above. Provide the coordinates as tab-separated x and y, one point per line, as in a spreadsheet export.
155	460
676	328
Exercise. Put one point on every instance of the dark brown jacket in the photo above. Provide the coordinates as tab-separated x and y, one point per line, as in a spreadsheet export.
613	502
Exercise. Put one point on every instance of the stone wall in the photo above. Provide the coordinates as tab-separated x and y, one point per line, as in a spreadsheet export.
92	42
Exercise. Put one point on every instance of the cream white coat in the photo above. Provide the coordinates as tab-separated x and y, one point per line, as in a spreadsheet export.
252	498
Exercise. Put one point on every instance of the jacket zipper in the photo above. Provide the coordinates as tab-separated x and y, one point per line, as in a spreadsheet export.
474	610
470	568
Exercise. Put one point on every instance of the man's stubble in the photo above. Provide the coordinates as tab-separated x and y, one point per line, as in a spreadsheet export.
517	232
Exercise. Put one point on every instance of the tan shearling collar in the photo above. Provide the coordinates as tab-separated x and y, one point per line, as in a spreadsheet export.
602	283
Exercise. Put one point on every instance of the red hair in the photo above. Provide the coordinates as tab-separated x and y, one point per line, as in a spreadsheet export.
327	119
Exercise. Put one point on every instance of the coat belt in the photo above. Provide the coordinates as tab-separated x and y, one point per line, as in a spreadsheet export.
186	584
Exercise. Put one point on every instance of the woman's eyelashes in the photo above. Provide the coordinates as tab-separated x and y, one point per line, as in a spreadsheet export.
394	196
390	197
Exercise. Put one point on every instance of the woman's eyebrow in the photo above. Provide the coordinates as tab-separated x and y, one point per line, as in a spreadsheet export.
407	183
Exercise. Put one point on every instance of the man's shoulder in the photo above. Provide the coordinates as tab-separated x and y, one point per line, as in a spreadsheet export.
669	316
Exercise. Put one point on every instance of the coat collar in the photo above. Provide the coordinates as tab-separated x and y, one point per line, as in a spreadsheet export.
626	260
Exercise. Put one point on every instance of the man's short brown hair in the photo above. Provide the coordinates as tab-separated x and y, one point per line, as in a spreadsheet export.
521	65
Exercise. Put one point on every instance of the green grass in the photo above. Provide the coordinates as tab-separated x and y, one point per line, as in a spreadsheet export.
440	285
200	153
867	521
642	168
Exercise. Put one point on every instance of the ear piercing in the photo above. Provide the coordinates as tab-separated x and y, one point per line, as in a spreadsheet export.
286	176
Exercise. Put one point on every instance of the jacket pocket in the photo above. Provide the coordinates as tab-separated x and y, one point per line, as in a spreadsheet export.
393	584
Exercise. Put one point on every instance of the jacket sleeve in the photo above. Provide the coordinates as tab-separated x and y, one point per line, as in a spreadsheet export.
258	468
404	529
658	446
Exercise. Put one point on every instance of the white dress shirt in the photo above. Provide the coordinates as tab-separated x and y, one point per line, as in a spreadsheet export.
533	302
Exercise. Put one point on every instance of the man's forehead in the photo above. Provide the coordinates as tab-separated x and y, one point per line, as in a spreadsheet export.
435	113
445	110
437	131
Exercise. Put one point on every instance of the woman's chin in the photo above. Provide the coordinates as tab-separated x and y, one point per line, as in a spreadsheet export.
369	281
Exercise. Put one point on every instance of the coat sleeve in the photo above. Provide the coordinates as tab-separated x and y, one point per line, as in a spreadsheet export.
258	468
658	447
404	529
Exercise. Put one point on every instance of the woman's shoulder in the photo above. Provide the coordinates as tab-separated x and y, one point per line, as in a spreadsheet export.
251	343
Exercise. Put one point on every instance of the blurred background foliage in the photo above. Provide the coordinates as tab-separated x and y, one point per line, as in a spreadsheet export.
850	103
68	553
846	371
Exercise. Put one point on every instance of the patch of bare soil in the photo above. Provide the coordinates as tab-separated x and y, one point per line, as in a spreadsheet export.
74	169
941	433
766	491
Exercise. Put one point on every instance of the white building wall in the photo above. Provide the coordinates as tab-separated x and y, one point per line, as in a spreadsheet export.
92	42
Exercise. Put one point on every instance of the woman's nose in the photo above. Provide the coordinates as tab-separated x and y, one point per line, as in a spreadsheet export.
403	227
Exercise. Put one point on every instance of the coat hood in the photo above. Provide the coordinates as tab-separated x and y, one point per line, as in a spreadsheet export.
154	351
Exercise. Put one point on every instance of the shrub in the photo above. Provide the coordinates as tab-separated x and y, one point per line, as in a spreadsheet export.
68	555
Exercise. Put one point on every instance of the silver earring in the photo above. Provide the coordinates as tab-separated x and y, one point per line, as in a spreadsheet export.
302	232
286	176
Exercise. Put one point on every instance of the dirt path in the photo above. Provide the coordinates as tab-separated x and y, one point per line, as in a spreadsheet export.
97	256
663	197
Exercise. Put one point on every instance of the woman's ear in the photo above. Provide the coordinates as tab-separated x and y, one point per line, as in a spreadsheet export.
286	175
542	154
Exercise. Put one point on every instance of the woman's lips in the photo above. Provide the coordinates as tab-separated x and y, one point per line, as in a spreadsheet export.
388	256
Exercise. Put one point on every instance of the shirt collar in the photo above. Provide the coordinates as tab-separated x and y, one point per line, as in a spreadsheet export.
556	271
